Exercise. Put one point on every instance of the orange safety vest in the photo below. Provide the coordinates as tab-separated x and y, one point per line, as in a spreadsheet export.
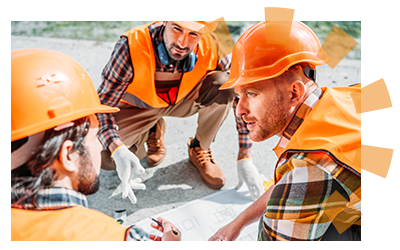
64	223
333	127
142	91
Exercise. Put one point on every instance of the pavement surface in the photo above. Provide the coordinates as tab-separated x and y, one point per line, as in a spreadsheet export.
175	181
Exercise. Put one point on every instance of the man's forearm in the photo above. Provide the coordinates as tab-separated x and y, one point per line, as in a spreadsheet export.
108	131
255	210
114	145
244	153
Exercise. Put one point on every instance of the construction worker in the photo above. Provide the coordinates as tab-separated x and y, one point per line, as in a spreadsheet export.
55	153
166	68
317	190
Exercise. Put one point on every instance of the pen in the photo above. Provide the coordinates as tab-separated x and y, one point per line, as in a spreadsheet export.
159	223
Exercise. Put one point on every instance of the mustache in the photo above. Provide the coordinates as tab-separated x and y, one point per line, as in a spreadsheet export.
179	47
248	119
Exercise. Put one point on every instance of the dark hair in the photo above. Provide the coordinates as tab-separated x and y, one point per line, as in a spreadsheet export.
36	174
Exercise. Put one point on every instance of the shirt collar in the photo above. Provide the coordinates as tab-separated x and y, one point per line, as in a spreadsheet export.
305	108
156	32
56	197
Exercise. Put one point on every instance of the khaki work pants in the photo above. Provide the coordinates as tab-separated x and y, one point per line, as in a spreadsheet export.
211	104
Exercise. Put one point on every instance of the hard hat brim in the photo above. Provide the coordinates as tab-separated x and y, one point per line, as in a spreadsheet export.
266	73
198	26
107	109
194	26
27	131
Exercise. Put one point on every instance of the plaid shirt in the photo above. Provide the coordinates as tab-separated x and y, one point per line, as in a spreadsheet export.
118	74
57	197
299	208
243	132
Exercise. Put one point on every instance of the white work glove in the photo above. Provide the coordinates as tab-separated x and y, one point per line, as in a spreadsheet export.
125	162
248	173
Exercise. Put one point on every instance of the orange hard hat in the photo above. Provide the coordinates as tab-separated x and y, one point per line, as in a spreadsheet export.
199	26
265	51
49	88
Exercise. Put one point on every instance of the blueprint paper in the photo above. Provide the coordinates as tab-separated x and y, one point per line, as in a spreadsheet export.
200	219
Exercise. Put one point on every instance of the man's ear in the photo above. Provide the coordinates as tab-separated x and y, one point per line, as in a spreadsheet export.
68	161
297	91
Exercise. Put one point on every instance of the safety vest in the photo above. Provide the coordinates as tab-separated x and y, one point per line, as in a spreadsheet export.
64	223
142	91
332	127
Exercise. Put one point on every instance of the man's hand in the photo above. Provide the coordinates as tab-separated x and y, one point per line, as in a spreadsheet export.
248	216
126	162
227	233
248	173
170	232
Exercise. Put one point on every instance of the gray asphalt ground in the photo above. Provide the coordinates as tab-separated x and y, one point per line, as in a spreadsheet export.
175	181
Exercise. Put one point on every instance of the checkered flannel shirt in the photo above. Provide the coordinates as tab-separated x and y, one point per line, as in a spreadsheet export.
297	207
118	74
243	132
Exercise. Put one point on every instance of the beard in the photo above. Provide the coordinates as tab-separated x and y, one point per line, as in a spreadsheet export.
274	120
169	46
177	57
89	181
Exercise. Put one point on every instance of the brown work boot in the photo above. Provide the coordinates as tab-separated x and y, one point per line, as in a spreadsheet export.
209	171
155	145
